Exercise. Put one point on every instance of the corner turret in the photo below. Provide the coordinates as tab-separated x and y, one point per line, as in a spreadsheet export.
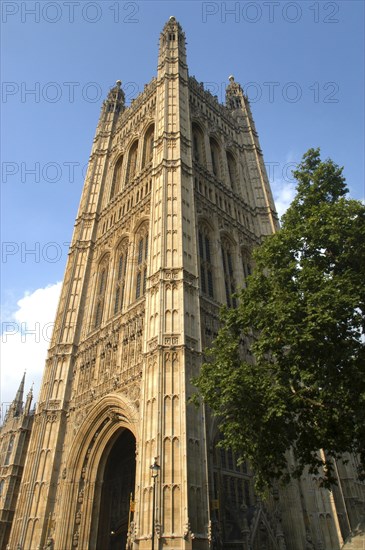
28	401
172	47
115	102
235	98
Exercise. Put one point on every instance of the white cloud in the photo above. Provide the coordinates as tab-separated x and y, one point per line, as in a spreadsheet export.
284	193
25	339
282	181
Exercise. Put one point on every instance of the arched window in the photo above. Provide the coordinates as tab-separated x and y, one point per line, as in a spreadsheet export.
100	292
198	144
215	154
227	258
10	450
117	178
205	262
232	170
142	255
246	262
233	482
2	483
120	273
132	161
148	146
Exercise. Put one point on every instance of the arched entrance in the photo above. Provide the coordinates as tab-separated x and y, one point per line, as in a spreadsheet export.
117	473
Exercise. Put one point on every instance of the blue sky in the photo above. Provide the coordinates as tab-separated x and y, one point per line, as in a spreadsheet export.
301	63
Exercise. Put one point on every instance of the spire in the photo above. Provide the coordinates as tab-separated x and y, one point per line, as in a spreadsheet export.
16	408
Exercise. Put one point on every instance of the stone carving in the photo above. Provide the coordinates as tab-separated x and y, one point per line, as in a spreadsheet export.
78	517
75	539
157	529
131	535
187	530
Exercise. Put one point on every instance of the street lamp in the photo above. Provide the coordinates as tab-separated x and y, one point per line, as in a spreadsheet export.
155	468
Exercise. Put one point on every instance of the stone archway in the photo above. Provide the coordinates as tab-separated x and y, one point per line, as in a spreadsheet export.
117	473
107	436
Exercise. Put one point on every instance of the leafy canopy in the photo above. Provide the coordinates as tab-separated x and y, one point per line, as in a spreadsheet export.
286	374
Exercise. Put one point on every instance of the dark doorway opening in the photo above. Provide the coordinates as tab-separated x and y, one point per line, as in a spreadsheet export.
118	486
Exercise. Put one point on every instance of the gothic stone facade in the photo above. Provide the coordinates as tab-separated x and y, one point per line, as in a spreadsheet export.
175	198
14	439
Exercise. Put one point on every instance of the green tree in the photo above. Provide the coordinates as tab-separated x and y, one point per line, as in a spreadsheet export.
286	372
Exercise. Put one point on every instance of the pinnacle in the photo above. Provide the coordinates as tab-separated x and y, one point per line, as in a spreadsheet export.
172	22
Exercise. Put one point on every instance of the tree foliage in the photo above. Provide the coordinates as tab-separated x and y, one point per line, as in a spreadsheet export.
286	373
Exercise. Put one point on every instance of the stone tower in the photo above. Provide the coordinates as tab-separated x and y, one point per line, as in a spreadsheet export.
175	198
14	440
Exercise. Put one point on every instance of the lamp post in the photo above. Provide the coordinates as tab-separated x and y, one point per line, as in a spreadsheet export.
155	468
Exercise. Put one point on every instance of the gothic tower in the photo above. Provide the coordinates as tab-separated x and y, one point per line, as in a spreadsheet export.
175	198
14	440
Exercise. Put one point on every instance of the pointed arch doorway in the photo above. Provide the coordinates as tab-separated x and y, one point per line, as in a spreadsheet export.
116	473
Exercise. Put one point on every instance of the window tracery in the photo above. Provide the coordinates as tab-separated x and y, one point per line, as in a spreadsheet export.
121	267
132	161
246	262
229	282
232	490
216	157
100	292
141	257
198	144
205	261
148	146
232	170
117	178
10	450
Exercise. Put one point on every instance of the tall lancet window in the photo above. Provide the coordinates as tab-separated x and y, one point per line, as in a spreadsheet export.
132	162
142	256
216	157
121	267
198	144
232	171
246	261
148	146
100	292
117	178
205	261
229	282
9	450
